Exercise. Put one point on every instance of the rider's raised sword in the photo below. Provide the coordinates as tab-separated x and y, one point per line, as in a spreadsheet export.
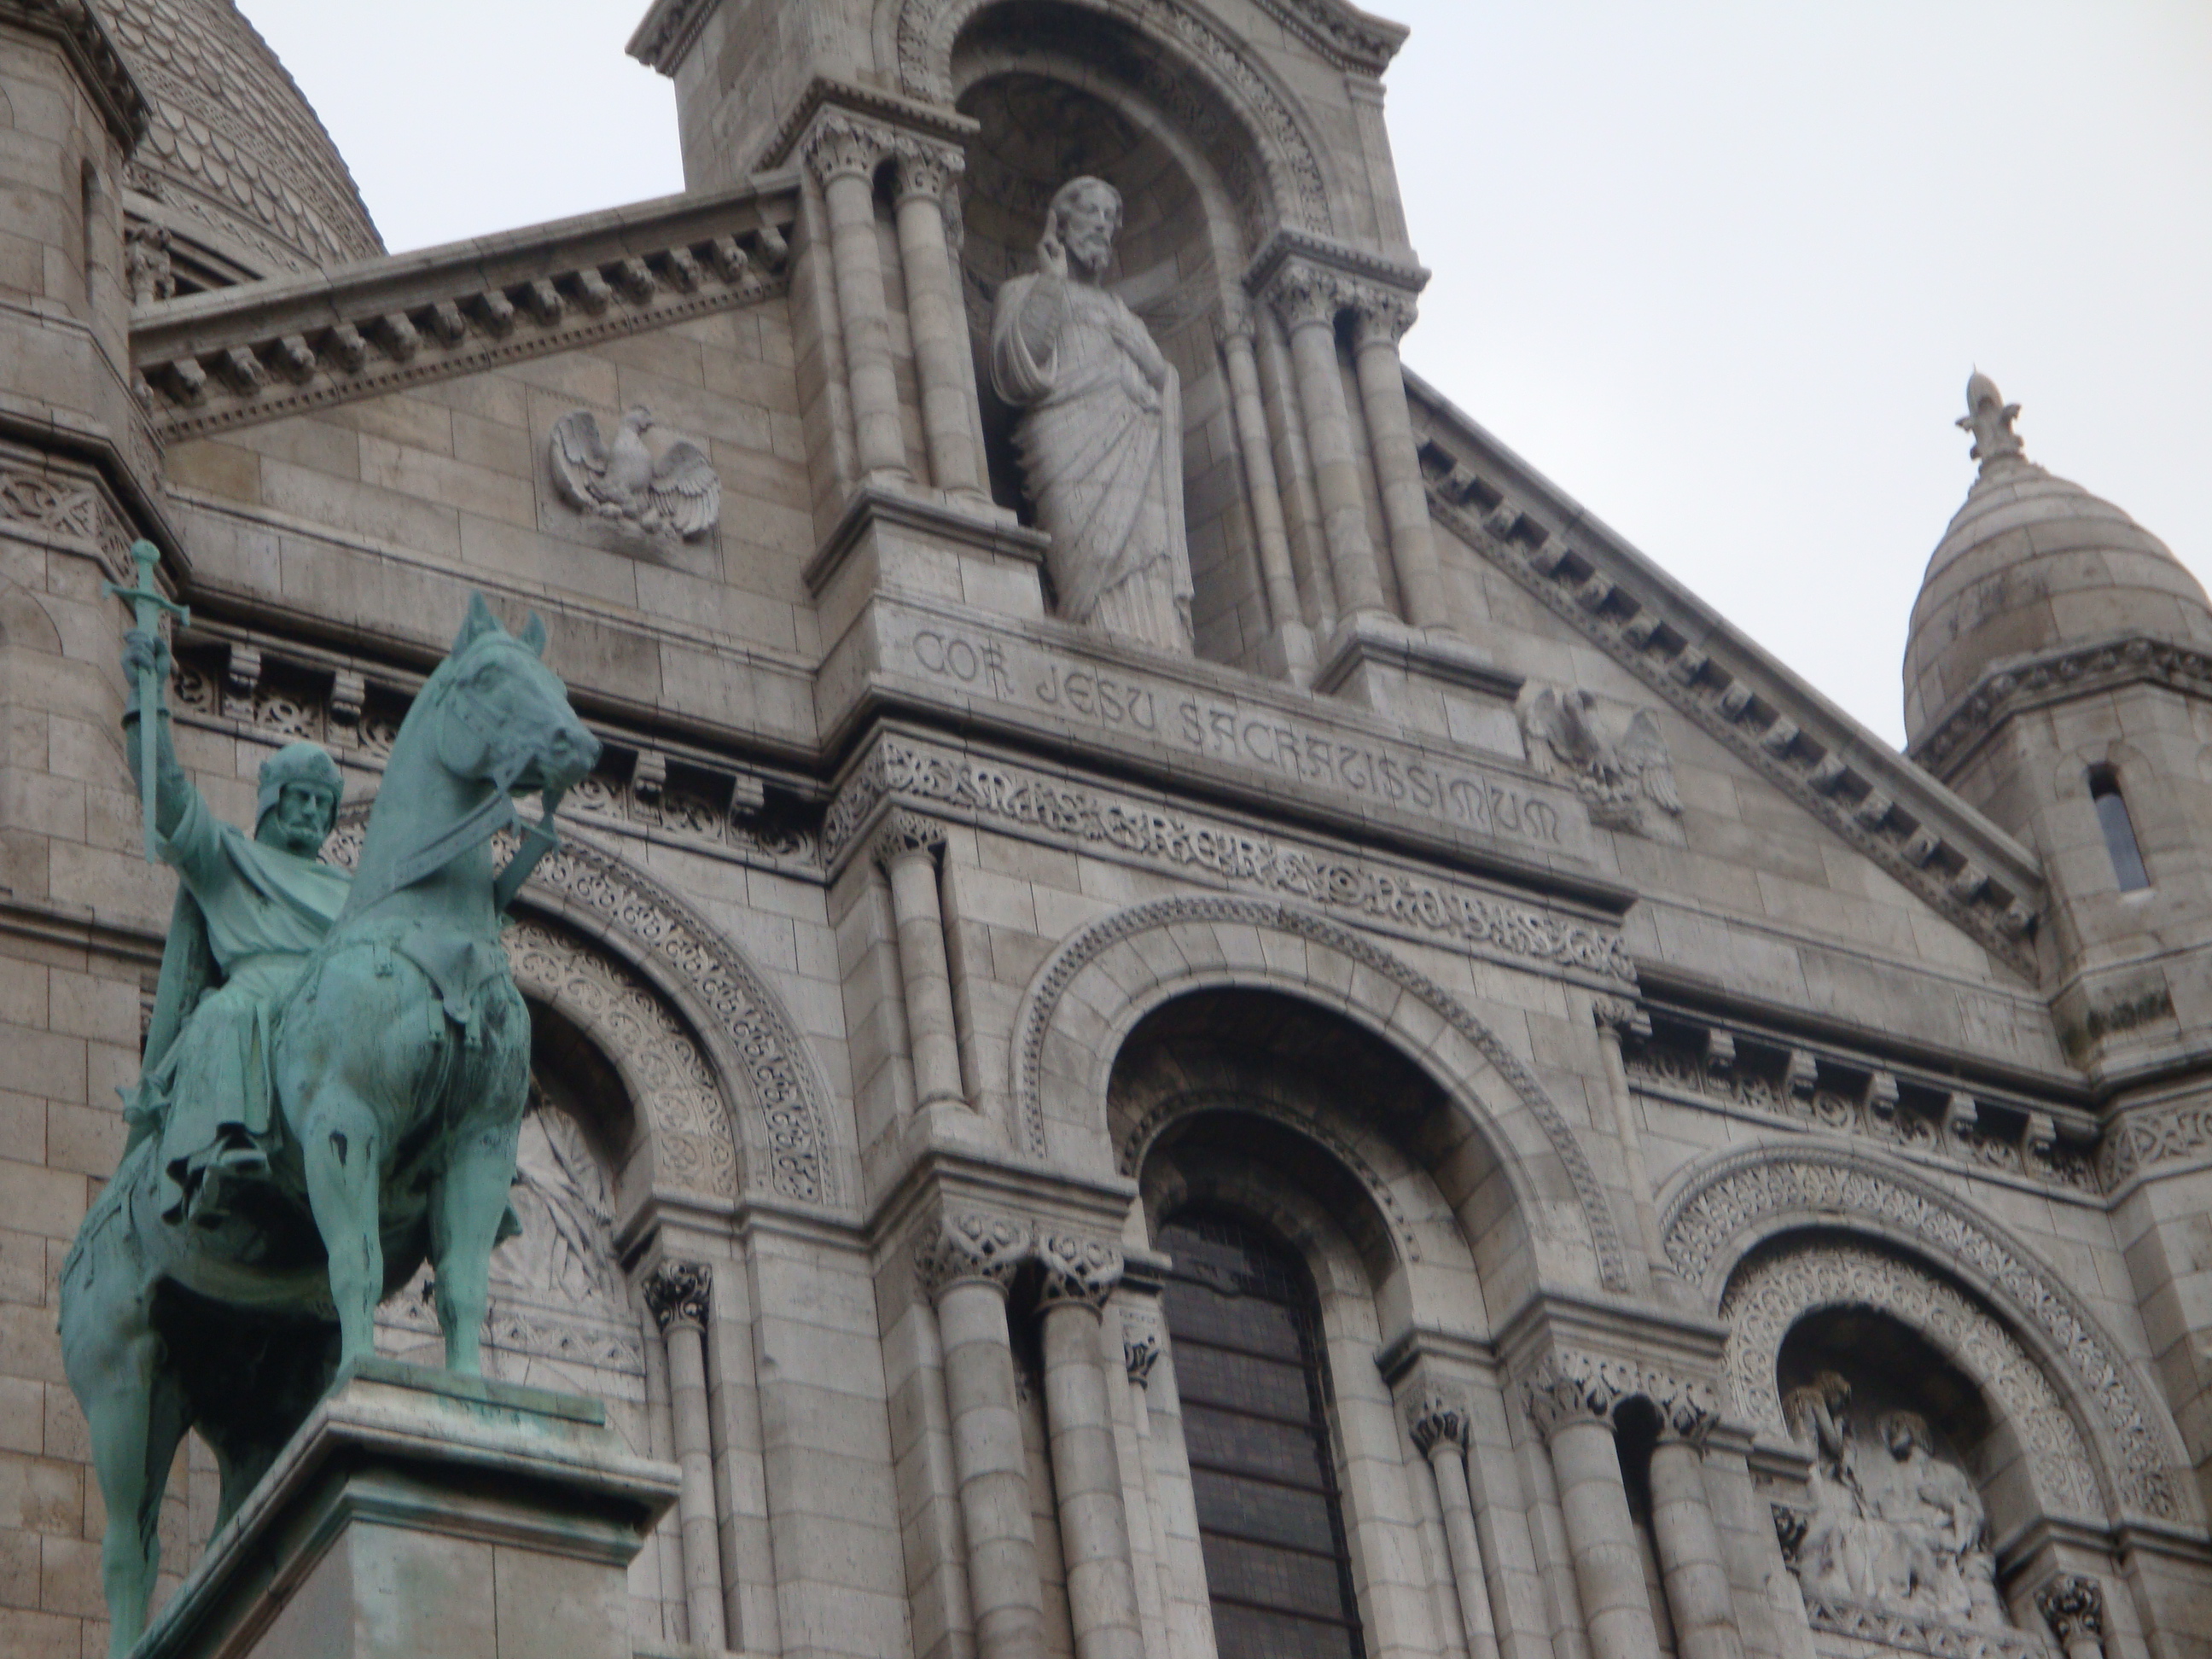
150	605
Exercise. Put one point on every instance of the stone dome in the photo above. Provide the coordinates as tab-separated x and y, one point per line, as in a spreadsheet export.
235	157
2030	564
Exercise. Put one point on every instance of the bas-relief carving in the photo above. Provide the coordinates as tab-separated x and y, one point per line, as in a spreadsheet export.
1036	1020
1745	1193
1369	892
1322	758
672	495
1626	777
1894	1525
1766	1300
1100	434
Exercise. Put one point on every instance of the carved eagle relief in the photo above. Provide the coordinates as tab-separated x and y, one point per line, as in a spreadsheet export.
674	495
1629	782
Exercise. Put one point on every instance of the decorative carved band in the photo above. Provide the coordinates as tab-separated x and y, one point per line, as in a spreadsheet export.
960	1247
678	1293
62	506
1886	1630
1439	1416
2072	1606
1568	1386
1079	1270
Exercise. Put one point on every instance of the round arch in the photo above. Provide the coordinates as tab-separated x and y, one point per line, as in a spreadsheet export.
1720	1210
1555	1225
919	36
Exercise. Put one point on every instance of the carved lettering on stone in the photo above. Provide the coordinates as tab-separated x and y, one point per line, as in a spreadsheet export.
673	494
1622	769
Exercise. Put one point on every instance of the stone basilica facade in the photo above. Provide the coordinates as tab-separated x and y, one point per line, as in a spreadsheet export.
1190	1016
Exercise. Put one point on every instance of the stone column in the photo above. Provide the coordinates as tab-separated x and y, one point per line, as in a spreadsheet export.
966	1259
1688	1543
1080	1274
1381	317
844	152
678	1293
1616	1017
1571	1406
2073	1608
1140	1352
1439	1424
1294	472
1251	415
908	847
924	172
1308	299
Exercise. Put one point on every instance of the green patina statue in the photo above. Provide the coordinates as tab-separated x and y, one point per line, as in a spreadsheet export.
332	1085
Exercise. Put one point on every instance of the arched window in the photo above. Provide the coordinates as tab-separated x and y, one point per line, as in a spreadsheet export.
2119	829
1246	1329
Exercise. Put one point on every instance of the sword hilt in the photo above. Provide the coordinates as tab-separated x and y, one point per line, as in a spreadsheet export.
150	602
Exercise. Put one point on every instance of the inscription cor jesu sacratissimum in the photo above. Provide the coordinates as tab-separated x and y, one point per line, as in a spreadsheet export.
1265	739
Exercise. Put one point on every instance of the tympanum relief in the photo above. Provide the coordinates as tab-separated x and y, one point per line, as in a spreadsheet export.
1620	767
669	493
1100	435
1894	1524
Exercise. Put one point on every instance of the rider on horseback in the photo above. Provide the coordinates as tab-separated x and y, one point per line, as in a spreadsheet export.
248	914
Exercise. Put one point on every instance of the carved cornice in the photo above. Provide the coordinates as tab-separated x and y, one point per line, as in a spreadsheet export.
1570	1385
905	834
76	27
237	357
2019	685
1875	800
868	105
1437	1416
1077	1270
679	1293
667	30
1362	889
1360	276
962	1246
1348	38
2072	1607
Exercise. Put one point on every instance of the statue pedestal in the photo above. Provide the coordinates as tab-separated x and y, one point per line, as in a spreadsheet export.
1433	683
417	1512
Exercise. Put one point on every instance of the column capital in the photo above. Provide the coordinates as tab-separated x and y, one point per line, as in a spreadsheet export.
1077	1270
1301	292
837	143
1380	314
959	1246
679	1293
1570	1385
1438	1417
1622	1015
2073	1607
1142	1343
925	167
906	833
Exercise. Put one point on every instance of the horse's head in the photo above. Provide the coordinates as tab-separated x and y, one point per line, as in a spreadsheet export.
508	715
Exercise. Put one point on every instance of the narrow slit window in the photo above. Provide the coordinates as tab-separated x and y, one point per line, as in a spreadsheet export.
2119	829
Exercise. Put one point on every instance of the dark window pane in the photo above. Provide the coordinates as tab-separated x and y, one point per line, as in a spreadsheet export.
1250	1369
2119	833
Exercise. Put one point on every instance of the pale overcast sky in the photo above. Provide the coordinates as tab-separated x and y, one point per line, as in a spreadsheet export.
1719	267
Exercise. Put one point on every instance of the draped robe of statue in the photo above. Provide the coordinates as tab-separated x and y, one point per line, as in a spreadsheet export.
247	918
1100	447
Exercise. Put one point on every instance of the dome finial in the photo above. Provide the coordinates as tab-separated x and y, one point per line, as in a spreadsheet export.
1989	418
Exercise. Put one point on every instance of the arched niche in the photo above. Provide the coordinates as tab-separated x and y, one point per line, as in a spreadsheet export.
1217	1087
1506	1158
1060	90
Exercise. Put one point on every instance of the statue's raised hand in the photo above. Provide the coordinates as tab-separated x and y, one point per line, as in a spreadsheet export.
1052	257
142	651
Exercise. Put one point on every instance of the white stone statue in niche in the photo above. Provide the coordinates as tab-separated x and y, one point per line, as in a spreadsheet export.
675	495
1101	430
1893	1525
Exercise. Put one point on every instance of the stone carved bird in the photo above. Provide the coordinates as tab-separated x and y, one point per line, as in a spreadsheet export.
674	495
1629	782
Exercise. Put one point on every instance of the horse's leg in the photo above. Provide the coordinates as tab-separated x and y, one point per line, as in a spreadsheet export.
342	1145
135	1415
464	1217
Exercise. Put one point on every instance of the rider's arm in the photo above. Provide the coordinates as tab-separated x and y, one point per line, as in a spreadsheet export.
173	791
